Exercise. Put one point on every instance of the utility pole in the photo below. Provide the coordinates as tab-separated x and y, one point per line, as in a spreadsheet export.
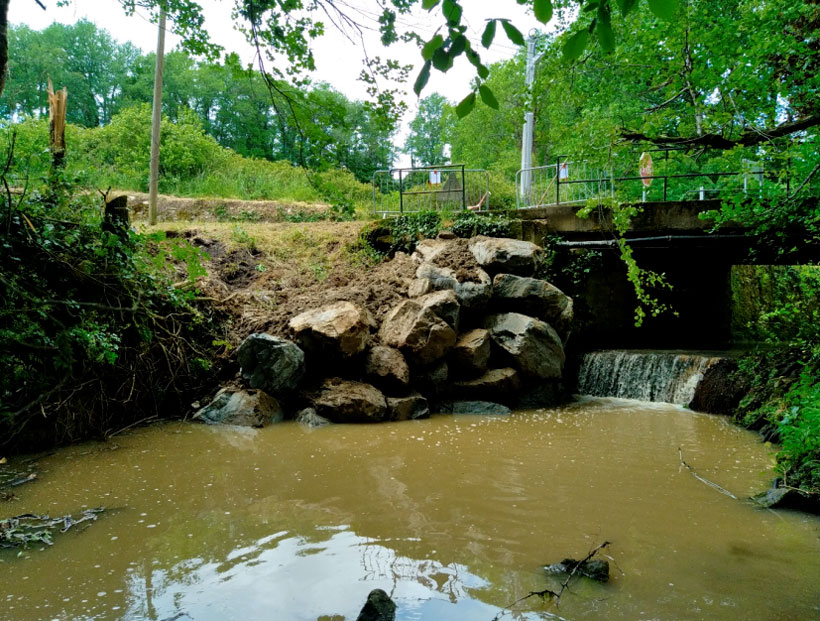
529	120
153	185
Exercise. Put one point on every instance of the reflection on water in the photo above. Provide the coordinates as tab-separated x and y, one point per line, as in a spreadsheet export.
453	517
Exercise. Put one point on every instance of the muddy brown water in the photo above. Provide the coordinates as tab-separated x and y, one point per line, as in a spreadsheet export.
453	516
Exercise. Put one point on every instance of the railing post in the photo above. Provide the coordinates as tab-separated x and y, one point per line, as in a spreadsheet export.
666	176
558	180
401	193
463	189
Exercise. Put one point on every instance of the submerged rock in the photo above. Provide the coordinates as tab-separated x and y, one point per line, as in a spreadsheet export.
478	407
343	401
417	332
529	296
309	417
496	384
529	344
340	328
271	363
786	498
247	408
411	407
594	569
379	607
387	368
510	256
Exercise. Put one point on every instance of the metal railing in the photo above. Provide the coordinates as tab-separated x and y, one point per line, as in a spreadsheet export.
542	185
430	188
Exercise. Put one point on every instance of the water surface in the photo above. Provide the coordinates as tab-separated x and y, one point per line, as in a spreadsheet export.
453	516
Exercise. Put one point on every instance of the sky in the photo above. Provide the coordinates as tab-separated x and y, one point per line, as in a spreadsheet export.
339	60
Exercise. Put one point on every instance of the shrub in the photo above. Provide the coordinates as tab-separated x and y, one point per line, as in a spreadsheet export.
409	229
469	224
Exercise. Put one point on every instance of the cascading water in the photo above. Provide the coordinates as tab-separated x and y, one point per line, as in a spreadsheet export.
666	376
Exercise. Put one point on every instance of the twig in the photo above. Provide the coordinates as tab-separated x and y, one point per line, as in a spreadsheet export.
702	479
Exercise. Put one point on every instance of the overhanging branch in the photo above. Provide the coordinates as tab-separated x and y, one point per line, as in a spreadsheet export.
748	138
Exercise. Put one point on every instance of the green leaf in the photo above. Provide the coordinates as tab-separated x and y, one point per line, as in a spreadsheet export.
626	6
466	106
452	11
458	46
513	33
489	34
575	45
665	9
487	96
429	4
423	77
483	72
442	60
543	10
604	29
431	46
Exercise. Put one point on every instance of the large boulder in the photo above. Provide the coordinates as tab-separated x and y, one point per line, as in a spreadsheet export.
495	385
339	328
411	407
510	256
444	305
529	344
417	332
343	401
472	294
529	296
270	363
471	353
563	325
378	607
248	408
387	368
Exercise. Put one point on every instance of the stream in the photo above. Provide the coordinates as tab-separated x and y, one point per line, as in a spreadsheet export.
454	517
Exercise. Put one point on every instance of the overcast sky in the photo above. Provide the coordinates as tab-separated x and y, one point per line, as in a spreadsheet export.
338	60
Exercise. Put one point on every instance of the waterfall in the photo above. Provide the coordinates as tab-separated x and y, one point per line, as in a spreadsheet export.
645	375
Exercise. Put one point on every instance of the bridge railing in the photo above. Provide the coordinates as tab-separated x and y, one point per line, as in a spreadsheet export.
430	188
563	182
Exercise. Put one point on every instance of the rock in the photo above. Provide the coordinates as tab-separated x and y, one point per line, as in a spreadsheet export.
478	407
309	417
446	234
444	305
271	363
387	368
510	256
432	380
342	401
471	353
472	295
248	408
563	325
786	498
411	407
417	332
419	287
529	344
545	394
496	385
594	569
379	607
428	250
529	296
719	392
340	328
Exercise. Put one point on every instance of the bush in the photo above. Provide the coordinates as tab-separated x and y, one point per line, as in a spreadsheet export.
469	224
409	229
799	429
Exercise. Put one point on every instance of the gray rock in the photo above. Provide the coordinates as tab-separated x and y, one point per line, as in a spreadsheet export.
479	407
247	408
445	306
387	368
471	295
495	385
786	498
379	607
411	407
432	380
544	394
271	363
563	325
594	569
419	287
428	250
343	401
339	328
417	332
309	417
529	344
471	353
510	256
529	296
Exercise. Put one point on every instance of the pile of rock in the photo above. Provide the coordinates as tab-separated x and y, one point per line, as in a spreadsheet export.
474	333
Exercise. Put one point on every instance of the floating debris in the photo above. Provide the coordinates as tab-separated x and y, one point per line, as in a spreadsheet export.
26	529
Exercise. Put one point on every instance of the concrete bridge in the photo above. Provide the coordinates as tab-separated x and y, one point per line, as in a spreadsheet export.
668	238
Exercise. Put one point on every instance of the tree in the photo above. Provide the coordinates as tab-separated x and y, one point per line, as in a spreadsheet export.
428	132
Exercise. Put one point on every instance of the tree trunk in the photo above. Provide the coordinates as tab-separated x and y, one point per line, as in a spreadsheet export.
4	42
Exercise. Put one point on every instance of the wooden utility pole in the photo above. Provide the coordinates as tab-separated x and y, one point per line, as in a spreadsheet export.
56	124
153	186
